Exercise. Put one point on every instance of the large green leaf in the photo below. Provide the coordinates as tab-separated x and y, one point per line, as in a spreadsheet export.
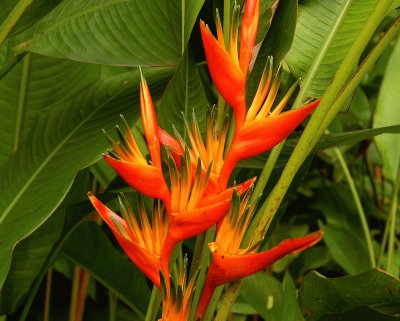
37	176
25	96
319	296
388	113
33	256
89	247
185	94
316	18
114	32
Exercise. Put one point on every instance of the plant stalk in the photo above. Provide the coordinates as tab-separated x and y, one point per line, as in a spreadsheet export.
359	207
391	268
13	18
154	304
47	299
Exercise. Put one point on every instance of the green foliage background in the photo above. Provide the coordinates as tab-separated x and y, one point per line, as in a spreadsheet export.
69	68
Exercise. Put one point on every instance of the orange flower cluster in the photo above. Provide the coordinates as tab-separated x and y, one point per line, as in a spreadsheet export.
194	195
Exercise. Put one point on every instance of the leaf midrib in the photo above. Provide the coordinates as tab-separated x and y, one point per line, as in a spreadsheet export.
80	14
50	157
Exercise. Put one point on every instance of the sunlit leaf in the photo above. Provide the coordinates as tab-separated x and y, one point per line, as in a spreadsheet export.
122	32
388	113
36	178
316	18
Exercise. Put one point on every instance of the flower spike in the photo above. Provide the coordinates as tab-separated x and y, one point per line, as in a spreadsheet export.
229	69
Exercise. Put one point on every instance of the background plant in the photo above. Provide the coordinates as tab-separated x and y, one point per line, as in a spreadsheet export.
69	68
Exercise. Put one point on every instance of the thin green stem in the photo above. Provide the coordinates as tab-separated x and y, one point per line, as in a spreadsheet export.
392	232
21	107
202	263
321	54
154	304
266	172
13	18
112	303
212	306
228	301
47	298
383	243
359	207
227	21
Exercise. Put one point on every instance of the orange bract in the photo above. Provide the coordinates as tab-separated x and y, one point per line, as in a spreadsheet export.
142	242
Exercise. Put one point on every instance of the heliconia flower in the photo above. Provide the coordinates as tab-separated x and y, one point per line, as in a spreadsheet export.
263	127
127	160
229	69
192	212
231	262
177	296
141	241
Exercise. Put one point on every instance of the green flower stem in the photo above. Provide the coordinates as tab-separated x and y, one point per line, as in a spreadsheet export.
13	18
317	123
266	172
212	306
228	301
392	232
112	303
154	304
201	263
227	21
383	244
357	201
